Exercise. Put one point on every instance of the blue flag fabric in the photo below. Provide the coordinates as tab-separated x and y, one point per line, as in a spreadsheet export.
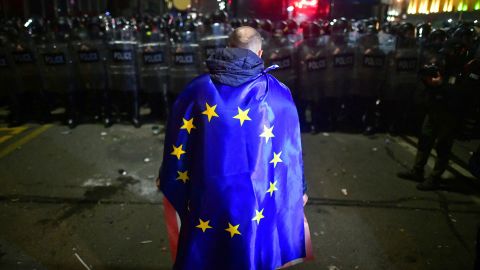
233	171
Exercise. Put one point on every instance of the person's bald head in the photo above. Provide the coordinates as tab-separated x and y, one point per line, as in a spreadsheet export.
246	37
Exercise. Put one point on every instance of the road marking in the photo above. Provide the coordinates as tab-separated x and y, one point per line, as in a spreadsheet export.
10	132
12	147
5	138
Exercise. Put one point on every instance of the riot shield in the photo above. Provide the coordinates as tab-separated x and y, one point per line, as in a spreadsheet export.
123	78
153	66
184	64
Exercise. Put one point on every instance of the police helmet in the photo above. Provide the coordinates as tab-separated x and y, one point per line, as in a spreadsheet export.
292	26
465	33
339	26
252	22
267	26
280	28
235	23
423	30
437	37
219	16
406	30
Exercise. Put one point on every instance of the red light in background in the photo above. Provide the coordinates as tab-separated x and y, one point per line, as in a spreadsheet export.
306	4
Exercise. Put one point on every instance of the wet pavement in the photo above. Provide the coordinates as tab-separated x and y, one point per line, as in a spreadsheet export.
85	199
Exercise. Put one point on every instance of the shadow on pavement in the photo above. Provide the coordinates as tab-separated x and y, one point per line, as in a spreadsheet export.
91	198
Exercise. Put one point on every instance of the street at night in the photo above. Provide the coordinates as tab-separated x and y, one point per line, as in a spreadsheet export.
88	195
239	134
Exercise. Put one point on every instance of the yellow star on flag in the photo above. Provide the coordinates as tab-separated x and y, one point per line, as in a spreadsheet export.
276	159
183	176
272	188
242	116
267	133
232	230
204	225
258	216
210	111
177	151
188	125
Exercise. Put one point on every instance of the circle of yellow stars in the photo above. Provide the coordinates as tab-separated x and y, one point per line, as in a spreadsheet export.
242	116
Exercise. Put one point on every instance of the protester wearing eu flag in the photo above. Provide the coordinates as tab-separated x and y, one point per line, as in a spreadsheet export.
232	167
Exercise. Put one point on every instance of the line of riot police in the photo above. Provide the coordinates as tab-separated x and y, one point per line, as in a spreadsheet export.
358	76
103	67
342	74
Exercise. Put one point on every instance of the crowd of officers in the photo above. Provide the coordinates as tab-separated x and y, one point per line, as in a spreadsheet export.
355	75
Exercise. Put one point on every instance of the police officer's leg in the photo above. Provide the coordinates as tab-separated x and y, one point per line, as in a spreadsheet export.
72	106
107	107
15	116
329	112
301	106
153	100
316	116
135	108
89	103
444	145
45	101
171	98
164	103
426	141
361	112
321	114
370	116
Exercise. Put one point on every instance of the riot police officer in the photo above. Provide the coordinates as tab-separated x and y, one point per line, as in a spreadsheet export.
369	70
266	30
340	71
423	30
447	96
90	54
215	37
29	92
153	54
282	51
58	70
123	76
8	34
402	84
312	57
184	60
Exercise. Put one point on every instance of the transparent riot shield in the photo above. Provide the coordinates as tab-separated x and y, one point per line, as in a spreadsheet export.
57	67
123	78
281	52
401	87
217	38
369	79
312	56
29	95
27	71
58	73
8	82
184	66
153	66
90	57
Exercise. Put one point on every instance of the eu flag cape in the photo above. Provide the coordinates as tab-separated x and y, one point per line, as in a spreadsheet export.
233	172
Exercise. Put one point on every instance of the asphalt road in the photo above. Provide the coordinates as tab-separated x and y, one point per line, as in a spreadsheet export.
85	199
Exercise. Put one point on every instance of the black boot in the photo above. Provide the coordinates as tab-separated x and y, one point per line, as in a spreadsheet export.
413	174
431	183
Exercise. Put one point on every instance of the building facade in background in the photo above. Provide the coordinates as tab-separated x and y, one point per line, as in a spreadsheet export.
433	10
